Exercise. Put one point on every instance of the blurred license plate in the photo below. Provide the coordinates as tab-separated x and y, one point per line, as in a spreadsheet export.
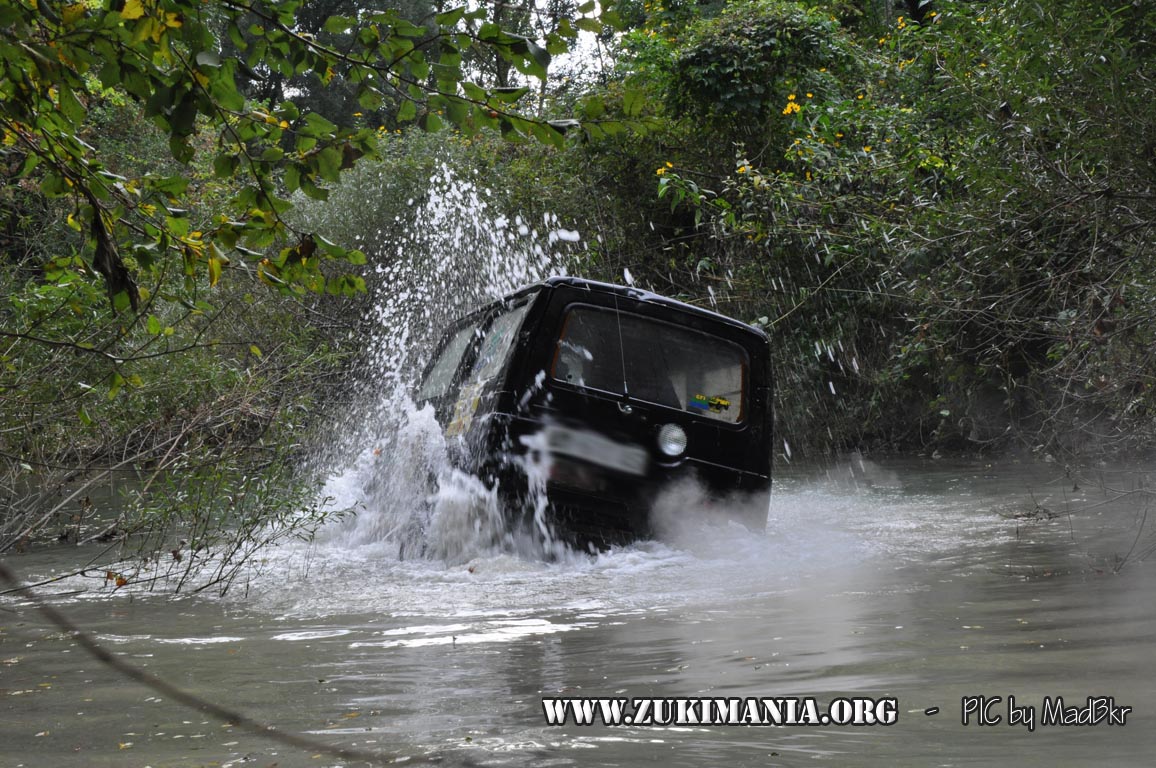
597	449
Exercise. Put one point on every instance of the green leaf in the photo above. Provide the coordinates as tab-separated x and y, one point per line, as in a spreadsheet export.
336	25
510	95
633	100
538	57
71	107
173	186
370	99
181	150
114	386
154	326
292	178
313	191
473	91
451	17
53	184
316	125
329	164
178	226
489	32
121	301
593	108
225	165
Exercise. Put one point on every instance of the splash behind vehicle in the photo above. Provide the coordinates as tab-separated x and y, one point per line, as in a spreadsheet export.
600	397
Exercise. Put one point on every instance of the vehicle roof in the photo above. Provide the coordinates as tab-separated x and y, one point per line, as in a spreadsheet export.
636	294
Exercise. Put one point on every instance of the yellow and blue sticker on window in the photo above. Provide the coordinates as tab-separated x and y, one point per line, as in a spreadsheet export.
713	404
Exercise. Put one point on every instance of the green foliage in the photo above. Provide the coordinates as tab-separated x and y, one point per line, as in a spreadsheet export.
739	66
945	221
62	62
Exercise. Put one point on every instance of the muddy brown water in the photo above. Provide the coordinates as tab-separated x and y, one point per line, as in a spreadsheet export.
926	582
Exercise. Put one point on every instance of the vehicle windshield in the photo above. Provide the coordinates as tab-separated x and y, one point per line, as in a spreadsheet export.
439	378
651	360
493	354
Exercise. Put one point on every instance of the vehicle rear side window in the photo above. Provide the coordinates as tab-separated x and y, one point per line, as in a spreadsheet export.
651	360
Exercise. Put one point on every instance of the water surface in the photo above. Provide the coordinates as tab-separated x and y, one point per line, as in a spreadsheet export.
924	581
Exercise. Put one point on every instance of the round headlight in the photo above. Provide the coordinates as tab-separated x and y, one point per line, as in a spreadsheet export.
671	439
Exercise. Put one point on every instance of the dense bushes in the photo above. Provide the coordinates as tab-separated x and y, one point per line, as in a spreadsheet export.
947	223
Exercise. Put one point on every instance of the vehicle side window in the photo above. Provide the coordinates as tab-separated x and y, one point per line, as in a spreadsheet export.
437	382
652	360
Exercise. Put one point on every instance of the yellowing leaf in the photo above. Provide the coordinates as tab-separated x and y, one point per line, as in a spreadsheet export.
133	9
214	270
72	13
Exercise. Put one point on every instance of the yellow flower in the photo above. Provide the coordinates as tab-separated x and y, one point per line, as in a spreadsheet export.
743	168
660	171
791	108
867	148
860	97
791	97
810	95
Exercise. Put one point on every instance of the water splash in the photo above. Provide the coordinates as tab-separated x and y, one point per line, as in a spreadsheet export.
458	251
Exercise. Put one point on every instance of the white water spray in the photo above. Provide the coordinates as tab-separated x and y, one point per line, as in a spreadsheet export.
459	252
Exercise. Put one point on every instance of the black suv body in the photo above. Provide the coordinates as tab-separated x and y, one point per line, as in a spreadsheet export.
600	396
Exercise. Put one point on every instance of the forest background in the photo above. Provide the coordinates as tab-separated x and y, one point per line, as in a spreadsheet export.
941	211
